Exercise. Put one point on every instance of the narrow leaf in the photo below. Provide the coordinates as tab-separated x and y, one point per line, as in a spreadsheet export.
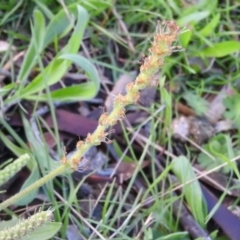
191	189
209	28
185	38
77	92
220	49
35	47
44	9
193	18
86	65
60	22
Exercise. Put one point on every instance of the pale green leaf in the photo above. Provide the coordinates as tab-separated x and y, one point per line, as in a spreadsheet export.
194	17
37	145
191	189
44	232
34	176
6	89
47	231
9	223
87	66
185	38
220	49
174	236
11	146
220	150
53	73
77	92
210	27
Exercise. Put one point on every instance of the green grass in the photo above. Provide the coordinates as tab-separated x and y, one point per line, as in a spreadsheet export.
111	37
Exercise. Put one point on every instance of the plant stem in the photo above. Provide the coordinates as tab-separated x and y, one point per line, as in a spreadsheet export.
34	186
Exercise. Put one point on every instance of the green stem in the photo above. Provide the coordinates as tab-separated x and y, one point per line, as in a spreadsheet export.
34	186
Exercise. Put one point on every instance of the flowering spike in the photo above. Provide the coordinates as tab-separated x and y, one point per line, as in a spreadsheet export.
163	44
26	226
13	168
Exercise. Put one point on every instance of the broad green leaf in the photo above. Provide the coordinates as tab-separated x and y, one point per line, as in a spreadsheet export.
191	189
38	31
58	67
185	38
77	92
53	73
220	49
210	27
47	231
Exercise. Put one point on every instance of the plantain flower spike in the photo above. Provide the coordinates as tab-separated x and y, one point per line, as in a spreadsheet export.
26	226
164	43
